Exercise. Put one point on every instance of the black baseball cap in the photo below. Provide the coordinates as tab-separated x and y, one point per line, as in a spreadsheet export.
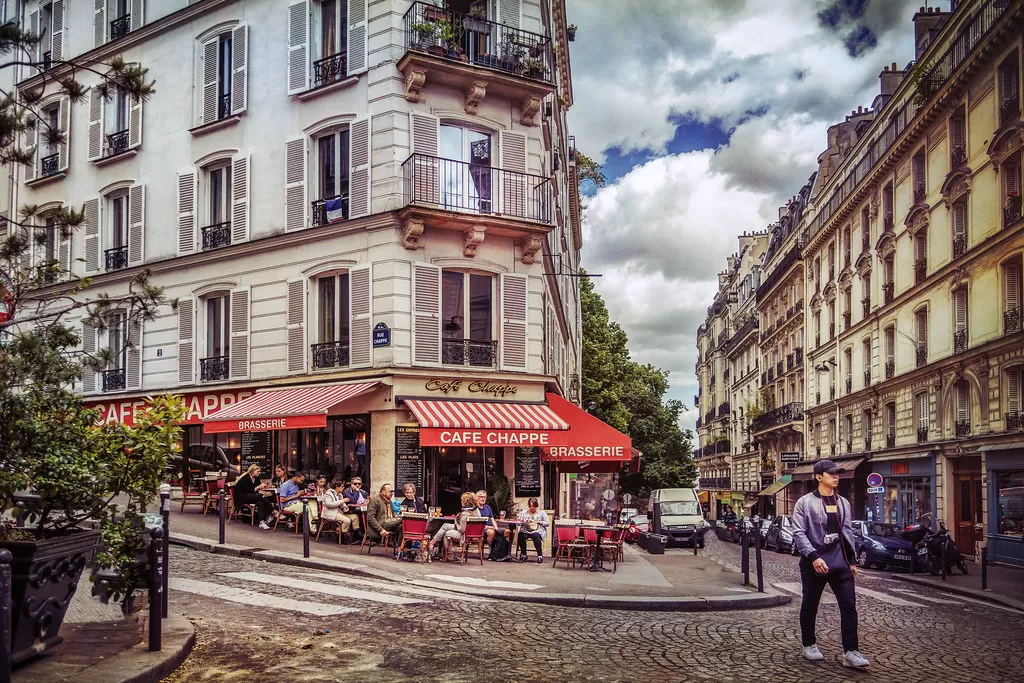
823	466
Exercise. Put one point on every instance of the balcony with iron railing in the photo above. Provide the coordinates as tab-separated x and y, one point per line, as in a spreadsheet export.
475	55
922	434
960	341
958	156
120	27
959	246
922	354
1011	210
49	165
887	222
475	353
715	483
890	368
330	210
887	291
330	69
1009	108
214	369
1011	320
332	354
722	446
849	384
116	258
890	440
113	380
723	409
224	106
867	377
920	270
116	143
1013	421
216	236
919	192
778	417
962	428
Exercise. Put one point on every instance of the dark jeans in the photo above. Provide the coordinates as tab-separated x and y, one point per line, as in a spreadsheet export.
538	541
841	582
264	504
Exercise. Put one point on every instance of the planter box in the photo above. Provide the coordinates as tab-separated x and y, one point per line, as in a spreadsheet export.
44	577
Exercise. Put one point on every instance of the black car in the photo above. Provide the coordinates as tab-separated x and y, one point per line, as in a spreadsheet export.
780	535
881	545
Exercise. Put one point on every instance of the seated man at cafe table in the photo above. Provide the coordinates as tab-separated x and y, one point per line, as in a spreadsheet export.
381	520
411	503
485	511
290	499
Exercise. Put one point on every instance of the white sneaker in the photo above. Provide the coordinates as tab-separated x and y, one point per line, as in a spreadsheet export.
854	660
812	653
264	526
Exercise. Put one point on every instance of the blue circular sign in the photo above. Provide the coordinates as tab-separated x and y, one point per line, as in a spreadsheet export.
874	479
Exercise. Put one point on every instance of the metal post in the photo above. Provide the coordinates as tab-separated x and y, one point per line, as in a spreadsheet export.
155	589
220	511
984	568
745	543
165	512
305	527
757	561
5	615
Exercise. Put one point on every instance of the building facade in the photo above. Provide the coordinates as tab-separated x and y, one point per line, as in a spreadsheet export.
335	192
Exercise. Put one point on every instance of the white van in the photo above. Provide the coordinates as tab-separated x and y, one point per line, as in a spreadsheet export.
677	513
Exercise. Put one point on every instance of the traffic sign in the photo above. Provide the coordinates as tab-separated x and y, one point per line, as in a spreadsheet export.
627	498
874	480
876	489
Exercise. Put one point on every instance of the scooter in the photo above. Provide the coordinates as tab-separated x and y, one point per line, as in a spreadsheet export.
932	543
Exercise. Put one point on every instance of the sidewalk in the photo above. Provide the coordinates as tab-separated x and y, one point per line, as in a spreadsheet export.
1005	584
676	582
101	645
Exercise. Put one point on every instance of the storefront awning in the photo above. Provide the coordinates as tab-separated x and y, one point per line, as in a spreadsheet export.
777	485
848	464
703	496
1012	445
588	439
284	408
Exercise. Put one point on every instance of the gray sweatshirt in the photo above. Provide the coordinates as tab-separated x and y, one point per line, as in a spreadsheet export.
810	521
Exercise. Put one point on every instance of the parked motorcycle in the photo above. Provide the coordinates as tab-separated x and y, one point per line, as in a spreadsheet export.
928	546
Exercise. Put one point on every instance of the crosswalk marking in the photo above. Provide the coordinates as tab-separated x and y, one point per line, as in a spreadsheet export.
254	599
474	581
401	588
828	598
941	601
314	587
985	603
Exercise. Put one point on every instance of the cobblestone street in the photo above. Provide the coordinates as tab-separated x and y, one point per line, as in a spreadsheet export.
288	623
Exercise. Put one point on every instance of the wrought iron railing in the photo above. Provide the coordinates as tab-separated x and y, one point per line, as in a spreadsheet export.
214	369
1009	109
724	483
866	305
922	354
867	377
963	428
920	270
474	188
469	352
887	291
779	270
723	409
330	355
959	246
329	69
49	165
958	155
1014	421
475	40
890	369
1011	320
120	27
919	192
722	446
216	235
224	106
116	258
117	143
113	380
1011	210
960	341
922	434
790	412
338	210
890	440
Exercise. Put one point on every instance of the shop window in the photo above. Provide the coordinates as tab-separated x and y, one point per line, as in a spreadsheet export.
467	309
1010	501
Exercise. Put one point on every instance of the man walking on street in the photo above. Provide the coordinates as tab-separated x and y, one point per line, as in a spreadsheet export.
824	538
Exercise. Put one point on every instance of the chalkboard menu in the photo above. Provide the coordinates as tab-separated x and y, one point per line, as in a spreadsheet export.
256	450
408	458
527	472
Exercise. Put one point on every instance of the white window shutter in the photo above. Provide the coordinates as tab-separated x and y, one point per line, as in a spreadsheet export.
64	125
961	402
357	22
514	330
922	411
922	328
186	340
135	123
920	247
296	326
64	253
1013	378
360	344
1011	285
33	28
359	170
240	198
425	136
295	184
298	46
426	314
99	22
30	140
88	350
133	362
239	69
509	11
513	180
186	211
960	219
136	225
240	333
1010	176
95	124
92	236
138	11
960	309
57	30
1007	84
209	74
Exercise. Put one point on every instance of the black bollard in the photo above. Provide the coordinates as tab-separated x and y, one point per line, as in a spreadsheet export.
220	511
305	527
5	615
757	561
155	589
945	542
165	512
745	555
984	568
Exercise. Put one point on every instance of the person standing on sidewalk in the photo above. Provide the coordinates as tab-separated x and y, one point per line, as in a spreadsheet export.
823	536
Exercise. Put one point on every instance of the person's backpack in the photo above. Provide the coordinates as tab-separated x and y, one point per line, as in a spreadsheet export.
500	549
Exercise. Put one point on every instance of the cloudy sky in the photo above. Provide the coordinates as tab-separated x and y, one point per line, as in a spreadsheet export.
707	115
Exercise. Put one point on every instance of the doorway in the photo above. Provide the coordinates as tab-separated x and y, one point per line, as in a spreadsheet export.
453	471
968	506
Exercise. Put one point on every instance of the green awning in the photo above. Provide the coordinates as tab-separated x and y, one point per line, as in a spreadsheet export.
777	486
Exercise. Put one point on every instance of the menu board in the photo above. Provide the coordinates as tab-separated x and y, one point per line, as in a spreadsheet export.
256	450
408	458
527	472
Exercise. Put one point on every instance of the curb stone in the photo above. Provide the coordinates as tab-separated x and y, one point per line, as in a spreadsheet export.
581	600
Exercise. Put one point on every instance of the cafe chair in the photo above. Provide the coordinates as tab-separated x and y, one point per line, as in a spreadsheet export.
414	530
294	517
213	488
240	511
193	492
334	528
611	548
368	542
570	547
475	529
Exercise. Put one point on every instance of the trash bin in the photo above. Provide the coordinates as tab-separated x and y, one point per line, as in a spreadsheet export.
656	544
641	540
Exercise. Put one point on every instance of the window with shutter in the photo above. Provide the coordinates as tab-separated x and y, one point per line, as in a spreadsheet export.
240	322
223	68
133	356
467	319
295	183
1012	294
922	411
960	219
115	256
359	172
138	14
962	402
134	122
514	194
426	135
361	311
426	314
89	351
186	211
297	329
92	208
1013	386
356	47
298	46
890	418
960	309
136	224
330	177
99	22
64	125
240	198
96	106
514	322
239	69
186	332
922	328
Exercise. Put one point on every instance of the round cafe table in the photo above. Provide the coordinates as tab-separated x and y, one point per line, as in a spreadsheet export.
597	563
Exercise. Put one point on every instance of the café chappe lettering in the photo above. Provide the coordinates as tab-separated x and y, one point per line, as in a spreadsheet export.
492	438
475	387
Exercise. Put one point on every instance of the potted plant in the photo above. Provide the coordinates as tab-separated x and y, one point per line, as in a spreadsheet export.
426	36
570	31
534	68
477	19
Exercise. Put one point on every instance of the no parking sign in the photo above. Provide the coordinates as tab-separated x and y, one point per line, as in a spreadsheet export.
874	480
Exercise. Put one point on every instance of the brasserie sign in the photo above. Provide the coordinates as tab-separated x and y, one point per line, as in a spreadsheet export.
449	386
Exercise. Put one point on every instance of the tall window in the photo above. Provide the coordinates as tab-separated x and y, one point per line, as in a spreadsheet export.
958	139
333	322
917	171
831	261
866	353
890	424
817	328
866	422
890	351
1013	295
846	247
224	75
865	229
218	326
332	164
117	231
330	44
920	256
962	409
848	367
117	340
1009	90
1010	171
1014	407
959	229
887	218
849	432
960	331
921	318
466	173
922	409
48	152
467	309
220	194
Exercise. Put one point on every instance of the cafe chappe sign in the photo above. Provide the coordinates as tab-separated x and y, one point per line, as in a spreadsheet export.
454	386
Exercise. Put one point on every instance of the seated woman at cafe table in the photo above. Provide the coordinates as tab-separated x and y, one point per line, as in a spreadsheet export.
381	520
450	531
290	499
411	503
318	488
334	507
280	475
535	526
247	492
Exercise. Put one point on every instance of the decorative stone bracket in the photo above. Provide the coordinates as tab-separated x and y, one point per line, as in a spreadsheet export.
473	237
530	106
530	245
415	79
412	234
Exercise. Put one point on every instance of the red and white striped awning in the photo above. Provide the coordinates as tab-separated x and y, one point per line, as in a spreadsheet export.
483	415
284	408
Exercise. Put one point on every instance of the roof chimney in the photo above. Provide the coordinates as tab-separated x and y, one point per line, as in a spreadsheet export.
927	23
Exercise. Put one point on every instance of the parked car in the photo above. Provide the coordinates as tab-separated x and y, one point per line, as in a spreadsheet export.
765	524
881	545
626	514
780	535
637	526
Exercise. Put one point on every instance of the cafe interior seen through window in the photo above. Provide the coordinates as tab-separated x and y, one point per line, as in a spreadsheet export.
1011	502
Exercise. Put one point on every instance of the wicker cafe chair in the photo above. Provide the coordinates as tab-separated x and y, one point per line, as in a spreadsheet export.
240	511
213	488
475	530
331	526
368	542
612	548
414	530
570	548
